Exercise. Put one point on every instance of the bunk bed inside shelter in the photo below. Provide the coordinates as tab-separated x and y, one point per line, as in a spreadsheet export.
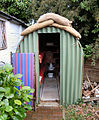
58	52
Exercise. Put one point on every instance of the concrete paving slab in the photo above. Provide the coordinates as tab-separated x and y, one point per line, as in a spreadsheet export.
50	90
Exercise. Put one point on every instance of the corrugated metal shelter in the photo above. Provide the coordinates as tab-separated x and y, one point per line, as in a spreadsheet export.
71	62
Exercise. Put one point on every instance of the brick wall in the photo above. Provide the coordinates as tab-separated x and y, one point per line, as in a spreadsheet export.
92	71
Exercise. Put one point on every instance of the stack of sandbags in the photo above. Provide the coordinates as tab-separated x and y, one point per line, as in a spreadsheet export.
56	18
68	29
52	19
37	26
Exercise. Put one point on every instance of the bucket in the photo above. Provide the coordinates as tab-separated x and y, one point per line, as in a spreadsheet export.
50	75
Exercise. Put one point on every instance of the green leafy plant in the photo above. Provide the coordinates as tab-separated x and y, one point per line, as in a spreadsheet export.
21	9
13	101
91	52
88	50
79	102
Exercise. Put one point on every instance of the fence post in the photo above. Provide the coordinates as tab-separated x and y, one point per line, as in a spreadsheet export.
11	57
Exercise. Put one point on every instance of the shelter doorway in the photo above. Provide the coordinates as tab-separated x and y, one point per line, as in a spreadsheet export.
49	66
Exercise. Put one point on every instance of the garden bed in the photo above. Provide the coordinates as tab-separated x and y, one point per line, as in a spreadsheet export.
82	112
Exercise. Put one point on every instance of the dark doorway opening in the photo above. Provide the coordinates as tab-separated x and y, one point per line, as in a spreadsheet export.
49	66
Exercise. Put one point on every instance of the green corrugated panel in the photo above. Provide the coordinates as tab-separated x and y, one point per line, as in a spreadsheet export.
57	30
61	66
72	68
78	82
54	29
37	67
76	72
81	57
30	43
64	64
34	42
68	68
44	30
49	30
25	44
71	55
65	38
35	49
22	47
39	31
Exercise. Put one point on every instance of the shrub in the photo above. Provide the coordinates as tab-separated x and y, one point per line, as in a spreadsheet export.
13	101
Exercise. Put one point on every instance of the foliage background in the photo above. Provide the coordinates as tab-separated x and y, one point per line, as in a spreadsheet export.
21	9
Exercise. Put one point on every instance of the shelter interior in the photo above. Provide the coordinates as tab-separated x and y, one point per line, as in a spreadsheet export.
49	66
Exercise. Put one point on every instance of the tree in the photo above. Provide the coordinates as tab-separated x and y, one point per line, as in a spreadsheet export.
40	7
21	9
83	13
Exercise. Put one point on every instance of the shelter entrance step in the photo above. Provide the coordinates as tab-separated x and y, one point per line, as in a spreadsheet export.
50	90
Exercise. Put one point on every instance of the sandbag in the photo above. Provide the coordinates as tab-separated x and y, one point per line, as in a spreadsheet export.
57	18
69	29
36	27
